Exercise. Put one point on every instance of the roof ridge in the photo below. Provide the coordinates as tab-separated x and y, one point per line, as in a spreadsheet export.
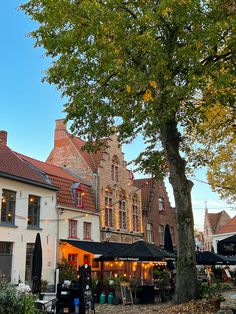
42	162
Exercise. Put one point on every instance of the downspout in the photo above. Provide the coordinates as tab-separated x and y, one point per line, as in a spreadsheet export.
96	190
59	212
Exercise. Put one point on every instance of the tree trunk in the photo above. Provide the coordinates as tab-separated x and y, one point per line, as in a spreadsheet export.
186	276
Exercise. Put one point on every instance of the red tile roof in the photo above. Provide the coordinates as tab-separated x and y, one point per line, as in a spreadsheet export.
12	164
64	180
230	226
215	219
48	168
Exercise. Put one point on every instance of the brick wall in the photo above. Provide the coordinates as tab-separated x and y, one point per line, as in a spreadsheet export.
160	217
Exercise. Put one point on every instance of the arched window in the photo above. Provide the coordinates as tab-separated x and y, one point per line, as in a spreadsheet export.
108	208
115	169
122	210
135	213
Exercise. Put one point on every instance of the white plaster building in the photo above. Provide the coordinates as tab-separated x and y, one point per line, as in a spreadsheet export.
28	203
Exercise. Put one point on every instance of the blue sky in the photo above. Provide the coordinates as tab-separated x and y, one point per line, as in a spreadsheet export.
28	107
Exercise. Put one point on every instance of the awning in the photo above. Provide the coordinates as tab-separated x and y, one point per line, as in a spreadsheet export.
138	251
209	258
97	248
227	246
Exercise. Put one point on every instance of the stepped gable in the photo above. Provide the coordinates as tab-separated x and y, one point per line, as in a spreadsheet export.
92	159
64	181
146	186
230	226
216	220
12	164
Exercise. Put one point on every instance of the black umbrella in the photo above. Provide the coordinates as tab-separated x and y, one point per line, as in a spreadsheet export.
209	258
138	251
227	246
37	265
168	246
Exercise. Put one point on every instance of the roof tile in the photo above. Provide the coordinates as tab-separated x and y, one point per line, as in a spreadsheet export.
230	226
12	164
64	180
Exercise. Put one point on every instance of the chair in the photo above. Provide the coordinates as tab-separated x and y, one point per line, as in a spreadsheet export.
50	308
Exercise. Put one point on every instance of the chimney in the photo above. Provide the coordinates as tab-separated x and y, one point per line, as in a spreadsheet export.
3	137
60	132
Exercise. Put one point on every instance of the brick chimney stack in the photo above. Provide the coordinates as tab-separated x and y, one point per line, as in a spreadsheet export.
60	132
3	137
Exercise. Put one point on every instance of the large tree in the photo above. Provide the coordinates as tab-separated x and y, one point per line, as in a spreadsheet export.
140	65
213	142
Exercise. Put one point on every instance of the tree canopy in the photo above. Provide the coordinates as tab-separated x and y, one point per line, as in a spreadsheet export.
145	66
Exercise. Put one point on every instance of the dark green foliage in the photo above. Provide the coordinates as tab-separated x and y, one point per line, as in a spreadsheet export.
67	271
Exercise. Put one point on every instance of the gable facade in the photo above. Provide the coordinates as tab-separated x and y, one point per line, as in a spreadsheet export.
117	200
212	223
157	211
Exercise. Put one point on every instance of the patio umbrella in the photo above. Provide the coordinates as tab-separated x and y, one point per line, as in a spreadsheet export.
209	258
37	265
227	246
138	251
168	246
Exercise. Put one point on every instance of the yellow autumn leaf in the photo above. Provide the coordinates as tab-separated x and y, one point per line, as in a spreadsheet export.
128	88
166	11
153	84
148	96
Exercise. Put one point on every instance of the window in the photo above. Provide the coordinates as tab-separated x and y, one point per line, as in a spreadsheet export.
6	261
79	199
87	230
33	211
115	169
135	214
122	211
149	232
108	208
161	203
28	262
8	206
87	259
95	264
161	234
73	228
78	195
73	259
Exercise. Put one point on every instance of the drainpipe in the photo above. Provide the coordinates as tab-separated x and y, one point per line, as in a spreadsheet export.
96	190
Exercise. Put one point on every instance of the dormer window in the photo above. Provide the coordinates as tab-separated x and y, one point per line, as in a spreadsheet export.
79	199
161	203
78	195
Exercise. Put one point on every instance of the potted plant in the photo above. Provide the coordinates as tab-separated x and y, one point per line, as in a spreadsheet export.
135	282
161	281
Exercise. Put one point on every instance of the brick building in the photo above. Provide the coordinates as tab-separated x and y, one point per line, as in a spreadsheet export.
213	222
117	200
157	211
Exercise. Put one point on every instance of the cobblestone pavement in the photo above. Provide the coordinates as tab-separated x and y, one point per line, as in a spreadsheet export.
129	309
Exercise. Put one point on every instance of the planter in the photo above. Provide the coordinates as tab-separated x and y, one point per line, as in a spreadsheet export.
116	301
215	303
136	300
